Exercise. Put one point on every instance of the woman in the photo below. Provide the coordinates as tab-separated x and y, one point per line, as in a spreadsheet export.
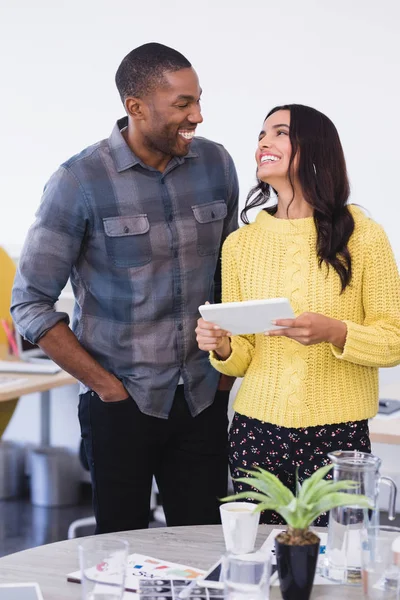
309	388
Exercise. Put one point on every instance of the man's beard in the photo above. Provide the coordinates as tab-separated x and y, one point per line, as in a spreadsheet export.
166	140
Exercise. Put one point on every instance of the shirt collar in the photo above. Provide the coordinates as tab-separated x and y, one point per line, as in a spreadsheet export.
125	158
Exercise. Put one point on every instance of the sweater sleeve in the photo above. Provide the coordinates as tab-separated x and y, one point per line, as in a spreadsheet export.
242	345
376	342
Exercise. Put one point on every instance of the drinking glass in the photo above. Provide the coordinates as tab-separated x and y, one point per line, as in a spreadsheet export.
246	576
103	564
380	564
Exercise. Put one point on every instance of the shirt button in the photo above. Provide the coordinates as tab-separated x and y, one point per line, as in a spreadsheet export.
126	229
180	326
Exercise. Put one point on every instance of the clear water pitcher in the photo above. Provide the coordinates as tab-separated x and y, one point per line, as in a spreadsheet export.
346	523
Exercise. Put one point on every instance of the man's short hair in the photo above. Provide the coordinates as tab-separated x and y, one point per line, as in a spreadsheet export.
143	69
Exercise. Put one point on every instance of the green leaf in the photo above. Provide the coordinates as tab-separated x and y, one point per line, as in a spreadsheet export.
328	487
292	506
244	495
267	506
269	490
254	482
229	498
298	485
339	499
293	517
274	483
289	516
310	483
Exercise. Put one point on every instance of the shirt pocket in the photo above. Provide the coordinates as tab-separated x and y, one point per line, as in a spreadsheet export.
209	225
128	240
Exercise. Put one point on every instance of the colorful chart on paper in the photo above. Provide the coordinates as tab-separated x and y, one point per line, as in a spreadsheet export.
141	567
147	567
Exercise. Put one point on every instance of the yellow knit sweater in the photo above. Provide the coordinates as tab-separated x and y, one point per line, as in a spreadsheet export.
286	383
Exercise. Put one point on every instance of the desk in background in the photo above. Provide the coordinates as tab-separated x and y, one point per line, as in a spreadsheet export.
385	429
28	384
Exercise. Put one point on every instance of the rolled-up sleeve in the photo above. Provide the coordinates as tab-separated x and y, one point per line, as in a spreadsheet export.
52	246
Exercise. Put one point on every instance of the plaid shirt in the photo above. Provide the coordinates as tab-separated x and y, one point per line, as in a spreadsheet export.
141	249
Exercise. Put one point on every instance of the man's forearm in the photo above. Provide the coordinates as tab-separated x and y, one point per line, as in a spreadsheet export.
62	346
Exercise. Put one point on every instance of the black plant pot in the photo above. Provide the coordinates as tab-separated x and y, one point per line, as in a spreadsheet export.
296	569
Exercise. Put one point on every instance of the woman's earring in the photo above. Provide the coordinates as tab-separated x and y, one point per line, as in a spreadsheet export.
315	170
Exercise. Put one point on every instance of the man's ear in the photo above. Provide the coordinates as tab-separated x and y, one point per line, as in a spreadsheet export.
135	108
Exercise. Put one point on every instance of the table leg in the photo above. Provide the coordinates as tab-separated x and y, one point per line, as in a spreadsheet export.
45	413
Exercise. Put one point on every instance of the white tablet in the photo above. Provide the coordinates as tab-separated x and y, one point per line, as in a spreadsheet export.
250	316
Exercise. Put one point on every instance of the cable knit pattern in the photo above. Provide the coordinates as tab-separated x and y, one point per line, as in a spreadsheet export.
286	383
293	388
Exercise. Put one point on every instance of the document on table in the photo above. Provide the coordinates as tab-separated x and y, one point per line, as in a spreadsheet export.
141	567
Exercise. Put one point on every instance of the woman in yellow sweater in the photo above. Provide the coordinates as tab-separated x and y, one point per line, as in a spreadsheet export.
309	388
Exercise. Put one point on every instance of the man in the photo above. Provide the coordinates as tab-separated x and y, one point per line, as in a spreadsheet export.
137	222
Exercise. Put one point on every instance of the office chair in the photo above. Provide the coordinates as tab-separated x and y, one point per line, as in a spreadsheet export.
7	274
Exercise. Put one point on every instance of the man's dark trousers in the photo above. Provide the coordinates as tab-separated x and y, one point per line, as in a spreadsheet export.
125	448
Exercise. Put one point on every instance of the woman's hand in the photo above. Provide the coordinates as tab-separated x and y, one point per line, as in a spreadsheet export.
312	328
211	337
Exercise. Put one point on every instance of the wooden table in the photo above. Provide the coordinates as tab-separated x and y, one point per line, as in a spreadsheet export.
31	383
383	429
198	546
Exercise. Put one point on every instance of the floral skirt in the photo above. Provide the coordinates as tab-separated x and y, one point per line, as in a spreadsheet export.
280	450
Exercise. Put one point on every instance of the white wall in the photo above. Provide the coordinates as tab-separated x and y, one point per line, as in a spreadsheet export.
58	94
58	61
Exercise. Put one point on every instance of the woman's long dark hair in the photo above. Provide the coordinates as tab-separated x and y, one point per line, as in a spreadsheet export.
323	178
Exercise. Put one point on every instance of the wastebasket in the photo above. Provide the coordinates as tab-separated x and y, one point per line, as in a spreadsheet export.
11	470
54	477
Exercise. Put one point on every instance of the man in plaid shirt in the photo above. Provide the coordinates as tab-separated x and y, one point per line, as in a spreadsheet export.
136	222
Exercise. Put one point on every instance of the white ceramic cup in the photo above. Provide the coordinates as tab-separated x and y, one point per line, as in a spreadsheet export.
239	524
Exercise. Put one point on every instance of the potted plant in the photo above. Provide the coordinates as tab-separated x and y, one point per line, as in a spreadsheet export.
297	548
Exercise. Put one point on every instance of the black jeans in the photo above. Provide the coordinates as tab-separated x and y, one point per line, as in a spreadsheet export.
125	448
